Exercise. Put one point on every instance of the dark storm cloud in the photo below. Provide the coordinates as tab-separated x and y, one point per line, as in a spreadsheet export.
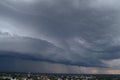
61	31
22	48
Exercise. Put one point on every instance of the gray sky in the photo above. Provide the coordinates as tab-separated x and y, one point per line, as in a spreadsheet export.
77	36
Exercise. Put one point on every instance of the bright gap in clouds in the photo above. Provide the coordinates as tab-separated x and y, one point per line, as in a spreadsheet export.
5	27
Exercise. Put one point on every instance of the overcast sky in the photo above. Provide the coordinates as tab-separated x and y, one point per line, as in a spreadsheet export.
62	36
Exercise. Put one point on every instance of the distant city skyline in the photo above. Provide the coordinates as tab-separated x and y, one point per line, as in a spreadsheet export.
60	36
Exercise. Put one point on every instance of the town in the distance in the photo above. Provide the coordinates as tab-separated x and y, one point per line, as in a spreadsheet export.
56	76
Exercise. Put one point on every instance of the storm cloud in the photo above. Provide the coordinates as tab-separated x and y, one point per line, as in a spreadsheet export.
80	33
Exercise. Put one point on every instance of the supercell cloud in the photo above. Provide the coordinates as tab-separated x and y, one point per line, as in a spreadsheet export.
66	34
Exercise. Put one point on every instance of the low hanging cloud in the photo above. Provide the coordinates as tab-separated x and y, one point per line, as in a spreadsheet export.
37	50
81	32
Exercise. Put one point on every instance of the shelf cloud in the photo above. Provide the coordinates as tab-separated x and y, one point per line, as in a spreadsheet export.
80	33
